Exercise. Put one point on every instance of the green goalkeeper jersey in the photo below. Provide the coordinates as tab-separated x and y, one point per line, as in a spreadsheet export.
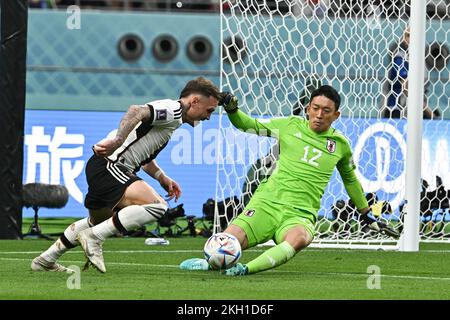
306	162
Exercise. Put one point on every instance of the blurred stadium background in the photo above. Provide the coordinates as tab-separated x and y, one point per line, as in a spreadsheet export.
83	71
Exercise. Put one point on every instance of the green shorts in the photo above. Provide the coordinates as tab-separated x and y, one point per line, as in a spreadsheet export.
264	220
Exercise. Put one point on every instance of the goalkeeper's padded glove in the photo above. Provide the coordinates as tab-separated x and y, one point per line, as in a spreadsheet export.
369	221
229	102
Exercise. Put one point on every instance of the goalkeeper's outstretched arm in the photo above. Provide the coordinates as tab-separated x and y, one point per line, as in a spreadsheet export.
239	119
367	219
356	193
244	122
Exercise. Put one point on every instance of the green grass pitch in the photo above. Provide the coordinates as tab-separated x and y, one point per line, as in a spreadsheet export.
138	271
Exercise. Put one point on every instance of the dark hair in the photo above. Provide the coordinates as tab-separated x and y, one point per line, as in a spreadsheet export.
201	86
329	92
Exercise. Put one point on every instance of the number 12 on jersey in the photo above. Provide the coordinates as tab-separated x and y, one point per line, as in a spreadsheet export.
316	154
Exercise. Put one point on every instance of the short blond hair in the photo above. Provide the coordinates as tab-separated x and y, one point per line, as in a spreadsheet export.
201	86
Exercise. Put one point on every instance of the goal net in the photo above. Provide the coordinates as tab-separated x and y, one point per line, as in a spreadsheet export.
274	53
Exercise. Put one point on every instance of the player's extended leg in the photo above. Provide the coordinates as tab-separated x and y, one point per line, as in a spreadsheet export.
295	239
254	225
203	265
139	205
46	261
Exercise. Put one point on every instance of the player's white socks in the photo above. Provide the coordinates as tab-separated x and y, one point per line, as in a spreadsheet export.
129	218
67	241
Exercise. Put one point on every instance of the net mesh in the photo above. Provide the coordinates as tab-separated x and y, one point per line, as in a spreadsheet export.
274	53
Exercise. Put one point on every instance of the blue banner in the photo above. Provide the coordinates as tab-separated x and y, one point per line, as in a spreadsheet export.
58	145
379	152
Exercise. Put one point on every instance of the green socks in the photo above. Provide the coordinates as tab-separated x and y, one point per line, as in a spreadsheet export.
272	258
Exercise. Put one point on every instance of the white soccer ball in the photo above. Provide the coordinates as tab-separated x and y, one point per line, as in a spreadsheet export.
222	251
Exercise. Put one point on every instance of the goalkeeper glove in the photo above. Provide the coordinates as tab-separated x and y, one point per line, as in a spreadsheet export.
229	102
373	224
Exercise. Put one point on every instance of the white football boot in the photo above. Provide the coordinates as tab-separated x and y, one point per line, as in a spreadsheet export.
40	264
92	247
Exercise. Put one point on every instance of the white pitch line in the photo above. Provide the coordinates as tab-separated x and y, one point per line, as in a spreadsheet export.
197	251
364	275
120	251
109	251
276	271
368	250
20	252
112	263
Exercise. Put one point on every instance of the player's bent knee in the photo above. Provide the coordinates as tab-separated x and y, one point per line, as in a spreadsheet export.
298	238
140	193
135	216
239	233
163	202
303	242
99	215
157	209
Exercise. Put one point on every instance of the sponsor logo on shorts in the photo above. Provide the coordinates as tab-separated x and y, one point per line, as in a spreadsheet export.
249	213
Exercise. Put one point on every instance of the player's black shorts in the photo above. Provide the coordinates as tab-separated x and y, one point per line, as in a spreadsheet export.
107	183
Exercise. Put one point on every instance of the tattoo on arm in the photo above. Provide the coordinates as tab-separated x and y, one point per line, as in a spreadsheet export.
130	120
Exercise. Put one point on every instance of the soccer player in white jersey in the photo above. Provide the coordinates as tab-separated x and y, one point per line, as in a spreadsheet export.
117	199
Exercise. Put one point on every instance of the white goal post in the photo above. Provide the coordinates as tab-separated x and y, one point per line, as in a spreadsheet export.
274	53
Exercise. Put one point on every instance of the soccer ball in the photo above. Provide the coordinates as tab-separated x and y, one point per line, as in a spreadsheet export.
222	251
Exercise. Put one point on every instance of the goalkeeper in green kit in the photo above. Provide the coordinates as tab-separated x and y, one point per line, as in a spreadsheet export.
284	207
